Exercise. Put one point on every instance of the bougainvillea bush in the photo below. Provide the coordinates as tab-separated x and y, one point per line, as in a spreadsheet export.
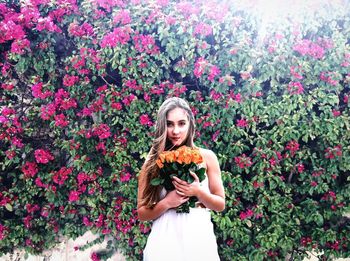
80	85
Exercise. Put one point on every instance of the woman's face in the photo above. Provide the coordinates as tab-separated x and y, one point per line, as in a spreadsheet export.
177	126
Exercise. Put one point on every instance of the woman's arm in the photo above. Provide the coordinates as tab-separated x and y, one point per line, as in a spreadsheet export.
215	198
171	200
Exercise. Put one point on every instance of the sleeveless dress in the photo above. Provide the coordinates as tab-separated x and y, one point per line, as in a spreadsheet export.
182	236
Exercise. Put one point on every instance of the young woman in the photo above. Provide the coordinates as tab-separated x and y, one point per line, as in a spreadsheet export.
179	236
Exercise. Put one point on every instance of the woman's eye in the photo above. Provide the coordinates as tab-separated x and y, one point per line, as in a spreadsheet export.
169	124
182	123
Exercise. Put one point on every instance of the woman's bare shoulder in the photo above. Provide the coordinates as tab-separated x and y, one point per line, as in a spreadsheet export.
207	154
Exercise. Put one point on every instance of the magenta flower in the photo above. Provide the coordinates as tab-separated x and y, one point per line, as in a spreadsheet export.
95	257
336	113
3	231
38	93
102	131
19	46
120	35
122	17
47	111
199	67
117	105
43	156
293	147
294	72
307	47
243	161
214	71
242	123
295	88
70	80
73	196
334	152
30	169
300	167
87	222
145	120
60	120
203	29
247	214
60	176
125	177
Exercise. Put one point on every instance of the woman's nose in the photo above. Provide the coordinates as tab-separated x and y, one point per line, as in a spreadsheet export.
176	130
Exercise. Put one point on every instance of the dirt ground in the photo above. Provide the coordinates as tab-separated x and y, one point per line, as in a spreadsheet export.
66	252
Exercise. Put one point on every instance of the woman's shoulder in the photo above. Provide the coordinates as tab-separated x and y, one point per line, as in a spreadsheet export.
207	154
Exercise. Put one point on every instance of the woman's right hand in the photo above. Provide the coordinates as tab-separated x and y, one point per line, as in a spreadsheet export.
173	199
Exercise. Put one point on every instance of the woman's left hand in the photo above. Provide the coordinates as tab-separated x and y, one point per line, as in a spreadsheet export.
187	189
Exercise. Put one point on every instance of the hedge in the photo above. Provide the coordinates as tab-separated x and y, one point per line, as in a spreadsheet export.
81	82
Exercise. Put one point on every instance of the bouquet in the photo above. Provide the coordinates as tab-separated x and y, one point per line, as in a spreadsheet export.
179	163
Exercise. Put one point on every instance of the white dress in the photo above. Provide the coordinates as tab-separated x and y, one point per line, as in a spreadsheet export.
182	236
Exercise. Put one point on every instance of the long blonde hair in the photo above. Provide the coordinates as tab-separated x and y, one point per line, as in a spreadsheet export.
150	170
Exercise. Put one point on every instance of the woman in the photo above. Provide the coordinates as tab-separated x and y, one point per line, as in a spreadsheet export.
179	236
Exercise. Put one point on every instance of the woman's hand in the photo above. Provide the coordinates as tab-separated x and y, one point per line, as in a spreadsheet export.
187	189
173	199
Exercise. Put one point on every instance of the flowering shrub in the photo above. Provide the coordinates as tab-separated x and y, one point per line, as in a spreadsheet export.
80	84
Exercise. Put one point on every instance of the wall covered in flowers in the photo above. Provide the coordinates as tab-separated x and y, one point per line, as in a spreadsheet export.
80	84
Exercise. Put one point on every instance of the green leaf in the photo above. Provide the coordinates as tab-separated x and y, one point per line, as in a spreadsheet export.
9	207
157	181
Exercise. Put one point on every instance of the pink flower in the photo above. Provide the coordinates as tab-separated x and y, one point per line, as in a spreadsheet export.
295	88
119	35
331	153
313	184
87	222
125	177
117	105
145	44
294	73
17	142
257	185
43	156
101	147
300	167
18	46
242	123
203	29
145	120
30	169
95	257
245	75
60	120
199	67
47	111
3	231
244	215
60	176
85	29
336	113
73	196
243	161
70	80
10	154
292	146
7	87
38	93
102	131
214	71
122	17
27	221
307	47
